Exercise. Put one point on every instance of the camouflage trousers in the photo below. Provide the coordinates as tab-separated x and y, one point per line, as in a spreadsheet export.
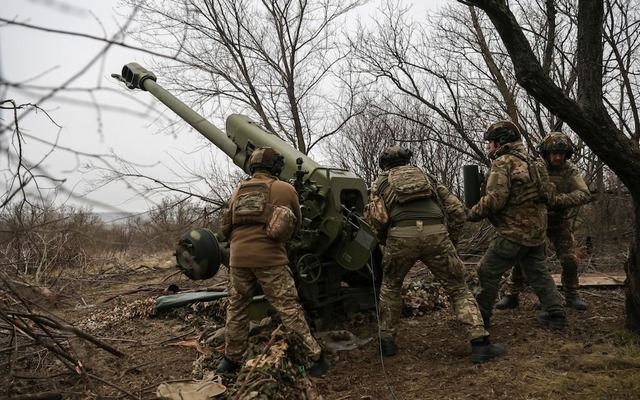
504	253
432	246
564	243
279	288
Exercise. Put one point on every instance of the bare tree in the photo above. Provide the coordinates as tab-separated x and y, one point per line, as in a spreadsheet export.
452	76
361	140
275	59
397	56
27	177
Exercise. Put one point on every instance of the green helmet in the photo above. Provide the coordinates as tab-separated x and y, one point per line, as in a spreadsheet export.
556	141
266	158
502	132
394	156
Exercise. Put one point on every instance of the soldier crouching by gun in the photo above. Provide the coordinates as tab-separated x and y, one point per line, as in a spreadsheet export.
409	208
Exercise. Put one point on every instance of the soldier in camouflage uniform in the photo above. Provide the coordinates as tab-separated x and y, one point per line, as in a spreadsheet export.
556	149
256	259
418	207
514	201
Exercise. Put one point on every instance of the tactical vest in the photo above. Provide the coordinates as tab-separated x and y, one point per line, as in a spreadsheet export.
407	183
409	195
252	204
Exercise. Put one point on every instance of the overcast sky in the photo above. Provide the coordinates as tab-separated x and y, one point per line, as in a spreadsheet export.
50	60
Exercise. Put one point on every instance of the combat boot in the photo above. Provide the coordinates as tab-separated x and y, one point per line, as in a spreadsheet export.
319	367
388	348
555	322
482	350
574	301
226	365
509	301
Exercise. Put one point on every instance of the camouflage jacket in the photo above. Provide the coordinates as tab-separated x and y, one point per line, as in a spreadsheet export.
571	191
522	219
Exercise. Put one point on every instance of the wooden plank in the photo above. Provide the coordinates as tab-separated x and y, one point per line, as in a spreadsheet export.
591	280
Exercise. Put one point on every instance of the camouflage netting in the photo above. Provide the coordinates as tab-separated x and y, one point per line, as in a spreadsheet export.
421	297
423	294
274	367
101	320
202	315
275	361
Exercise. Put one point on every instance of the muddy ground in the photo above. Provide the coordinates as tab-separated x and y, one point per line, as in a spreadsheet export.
595	358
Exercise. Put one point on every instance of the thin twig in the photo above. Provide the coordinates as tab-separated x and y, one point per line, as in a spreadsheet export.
53	324
192	331
112	385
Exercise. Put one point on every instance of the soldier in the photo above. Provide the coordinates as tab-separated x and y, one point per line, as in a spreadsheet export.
256	258
556	150
514	201
417	207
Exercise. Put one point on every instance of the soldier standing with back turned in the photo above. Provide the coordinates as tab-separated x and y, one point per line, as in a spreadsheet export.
258	259
556	150
416	206
514	201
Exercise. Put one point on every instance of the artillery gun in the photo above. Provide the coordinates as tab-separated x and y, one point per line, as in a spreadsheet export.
335	257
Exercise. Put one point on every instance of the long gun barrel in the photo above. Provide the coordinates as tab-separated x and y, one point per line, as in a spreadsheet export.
244	134
137	77
335	257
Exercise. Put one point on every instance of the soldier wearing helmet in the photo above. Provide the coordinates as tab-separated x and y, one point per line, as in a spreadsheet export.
418	207
499	136
572	191
257	259
267	159
556	148
516	190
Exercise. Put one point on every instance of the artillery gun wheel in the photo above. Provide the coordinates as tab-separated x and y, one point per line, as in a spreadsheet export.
309	268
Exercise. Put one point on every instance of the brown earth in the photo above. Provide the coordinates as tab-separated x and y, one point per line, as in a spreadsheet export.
593	359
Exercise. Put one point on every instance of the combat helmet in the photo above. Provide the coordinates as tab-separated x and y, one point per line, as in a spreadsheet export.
394	156
556	141
502	132
266	158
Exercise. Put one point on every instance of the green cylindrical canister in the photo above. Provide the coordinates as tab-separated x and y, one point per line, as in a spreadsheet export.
471	177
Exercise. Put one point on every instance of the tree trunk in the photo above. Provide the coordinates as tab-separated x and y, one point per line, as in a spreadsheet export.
632	283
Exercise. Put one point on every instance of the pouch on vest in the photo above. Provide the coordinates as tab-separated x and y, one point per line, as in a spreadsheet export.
409	183
251	205
375	214
282	224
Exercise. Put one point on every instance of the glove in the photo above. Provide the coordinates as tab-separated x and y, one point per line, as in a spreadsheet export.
471	217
